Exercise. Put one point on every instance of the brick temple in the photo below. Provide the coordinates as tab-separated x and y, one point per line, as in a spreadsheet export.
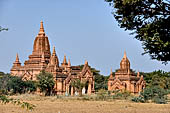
125	79
42	59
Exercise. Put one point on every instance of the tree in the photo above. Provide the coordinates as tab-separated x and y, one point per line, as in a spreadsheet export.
101	82
16	85
78	85
149	21
45	82
155	94
4	99
7	83
4	79
158	78
3	29
30	86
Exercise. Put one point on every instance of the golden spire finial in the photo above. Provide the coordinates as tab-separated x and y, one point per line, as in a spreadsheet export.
41	28
86	62
17	58
124	55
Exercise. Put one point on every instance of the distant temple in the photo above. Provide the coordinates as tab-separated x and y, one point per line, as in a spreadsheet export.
125	79
42	59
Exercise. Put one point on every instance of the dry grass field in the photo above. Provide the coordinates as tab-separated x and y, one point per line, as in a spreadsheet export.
54	105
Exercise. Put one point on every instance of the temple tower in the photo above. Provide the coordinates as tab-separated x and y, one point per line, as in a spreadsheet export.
41	48
17	62
125	79
125	64
54	59
41	59
64	64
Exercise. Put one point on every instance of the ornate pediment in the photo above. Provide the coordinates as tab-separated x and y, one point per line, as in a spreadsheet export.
27	76
140	81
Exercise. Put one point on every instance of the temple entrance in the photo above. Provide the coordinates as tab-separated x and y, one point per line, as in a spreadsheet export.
86	87
70	90
117	88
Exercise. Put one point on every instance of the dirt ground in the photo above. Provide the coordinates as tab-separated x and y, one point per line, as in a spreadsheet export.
51	105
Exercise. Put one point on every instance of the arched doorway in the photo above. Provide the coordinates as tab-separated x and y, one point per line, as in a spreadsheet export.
86	87
117	88
69	89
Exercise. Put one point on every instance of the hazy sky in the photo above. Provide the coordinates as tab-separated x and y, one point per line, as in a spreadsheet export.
81	29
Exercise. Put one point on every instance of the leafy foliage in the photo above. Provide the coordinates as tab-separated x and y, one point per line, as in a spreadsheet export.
3	29
101	82
102	94
45	82
13	84
158	78
4	99
157	87
155	94
78	85
30	86
149	21
121	94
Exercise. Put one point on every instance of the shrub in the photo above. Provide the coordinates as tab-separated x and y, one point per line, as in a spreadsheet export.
15	85
30	86
102	94
121	95
156	94
138	99
78	85
45	82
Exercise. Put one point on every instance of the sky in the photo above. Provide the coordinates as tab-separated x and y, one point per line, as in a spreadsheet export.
80	29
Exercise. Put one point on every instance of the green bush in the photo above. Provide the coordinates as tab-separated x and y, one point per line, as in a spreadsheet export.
30	86
102	95
138	99
121	94
155	94
14	84
45	82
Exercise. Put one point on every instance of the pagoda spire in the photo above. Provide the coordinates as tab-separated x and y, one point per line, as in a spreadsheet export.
64	64
17	62
41	28
65	60
125	63
111	74
124	55
69	63
17	58
86	62
54	52
54	59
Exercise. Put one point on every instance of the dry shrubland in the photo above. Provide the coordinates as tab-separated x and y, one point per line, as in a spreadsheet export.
79	105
